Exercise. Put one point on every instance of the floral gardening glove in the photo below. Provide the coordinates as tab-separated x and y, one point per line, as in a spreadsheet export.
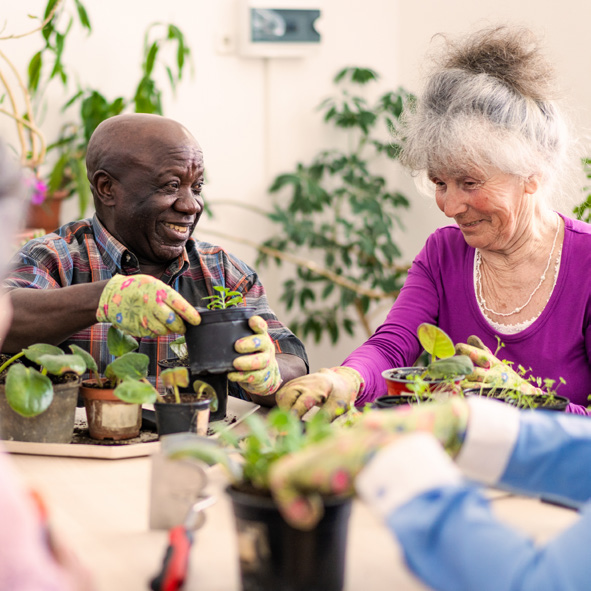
258	372
298	481
144	306
490	370
332	389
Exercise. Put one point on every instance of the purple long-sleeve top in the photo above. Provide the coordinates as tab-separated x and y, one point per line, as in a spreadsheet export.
440	289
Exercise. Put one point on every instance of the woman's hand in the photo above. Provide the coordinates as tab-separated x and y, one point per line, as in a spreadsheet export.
333	390
490	370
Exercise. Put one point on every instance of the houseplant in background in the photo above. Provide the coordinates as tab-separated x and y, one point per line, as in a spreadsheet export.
38	402
22	101
274	555
341	217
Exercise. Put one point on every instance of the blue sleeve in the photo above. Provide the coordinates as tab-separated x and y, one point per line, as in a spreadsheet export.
453	542
551	457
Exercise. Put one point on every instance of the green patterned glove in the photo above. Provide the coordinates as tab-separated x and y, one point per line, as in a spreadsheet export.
490	370
332	389
144	306
258	372
299	480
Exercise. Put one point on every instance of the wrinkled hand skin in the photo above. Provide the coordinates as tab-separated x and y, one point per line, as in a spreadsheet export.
333	390
490	370
144	306
298	481
258	371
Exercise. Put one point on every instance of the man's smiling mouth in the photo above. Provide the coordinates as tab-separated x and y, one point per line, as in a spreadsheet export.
176	228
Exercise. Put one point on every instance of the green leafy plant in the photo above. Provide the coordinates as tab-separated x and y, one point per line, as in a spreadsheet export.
127	373
248	460
29	391
339	215
223	299
583	210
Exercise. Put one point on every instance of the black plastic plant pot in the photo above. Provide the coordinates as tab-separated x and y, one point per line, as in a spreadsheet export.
274	555
210	344
519	399
395	401
219	382
178	418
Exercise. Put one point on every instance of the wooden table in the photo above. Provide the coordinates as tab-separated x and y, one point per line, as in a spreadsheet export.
101	507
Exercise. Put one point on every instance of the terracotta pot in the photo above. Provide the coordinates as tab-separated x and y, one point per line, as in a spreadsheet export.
55	425
109	417
273	555
46	215
398	379
211	343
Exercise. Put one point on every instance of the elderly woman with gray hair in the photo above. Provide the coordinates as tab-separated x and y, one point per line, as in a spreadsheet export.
489	137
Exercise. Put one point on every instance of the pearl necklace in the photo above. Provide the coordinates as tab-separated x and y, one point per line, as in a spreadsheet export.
519	308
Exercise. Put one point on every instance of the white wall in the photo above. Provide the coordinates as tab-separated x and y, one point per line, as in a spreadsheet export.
256	118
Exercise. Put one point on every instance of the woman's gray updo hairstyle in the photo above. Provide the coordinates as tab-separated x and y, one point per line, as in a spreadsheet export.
490	102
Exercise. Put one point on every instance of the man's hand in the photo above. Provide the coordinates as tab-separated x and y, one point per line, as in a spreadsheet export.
329	468
490	370
258	372
332	389
144	306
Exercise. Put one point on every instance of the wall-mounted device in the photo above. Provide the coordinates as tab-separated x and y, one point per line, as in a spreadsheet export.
278	28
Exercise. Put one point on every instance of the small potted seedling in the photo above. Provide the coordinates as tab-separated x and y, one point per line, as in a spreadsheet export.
188	410
273	554
38	403
442	375
210	344
113	402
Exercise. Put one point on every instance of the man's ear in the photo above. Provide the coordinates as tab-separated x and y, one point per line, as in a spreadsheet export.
103	184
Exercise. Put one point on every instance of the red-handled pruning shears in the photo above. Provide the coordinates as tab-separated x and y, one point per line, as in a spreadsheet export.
180	538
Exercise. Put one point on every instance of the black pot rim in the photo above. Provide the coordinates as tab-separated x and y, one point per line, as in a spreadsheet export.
269	501
416	370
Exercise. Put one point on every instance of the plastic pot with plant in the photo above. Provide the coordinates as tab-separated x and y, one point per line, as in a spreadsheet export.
186	410
38	401
271	551
442	375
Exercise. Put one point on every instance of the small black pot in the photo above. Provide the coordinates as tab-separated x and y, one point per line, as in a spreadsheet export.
219	382
535	401
178	418
211	343
398	400
286	558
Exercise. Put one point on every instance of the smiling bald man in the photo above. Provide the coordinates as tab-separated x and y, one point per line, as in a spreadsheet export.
146	176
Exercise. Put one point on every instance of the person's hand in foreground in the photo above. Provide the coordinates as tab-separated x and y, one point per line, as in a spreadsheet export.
144	306
298	481
490	370
331	389
257	370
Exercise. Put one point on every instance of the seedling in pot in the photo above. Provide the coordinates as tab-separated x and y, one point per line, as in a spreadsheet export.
29	391
223	299
178	377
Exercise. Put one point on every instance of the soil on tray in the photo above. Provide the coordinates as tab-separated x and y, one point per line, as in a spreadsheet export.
82	437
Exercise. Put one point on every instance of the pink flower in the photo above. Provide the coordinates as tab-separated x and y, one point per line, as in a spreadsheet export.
37	188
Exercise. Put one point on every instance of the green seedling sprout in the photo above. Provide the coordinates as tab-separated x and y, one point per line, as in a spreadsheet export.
223	299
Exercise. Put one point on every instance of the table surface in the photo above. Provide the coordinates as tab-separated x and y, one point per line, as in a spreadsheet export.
101	508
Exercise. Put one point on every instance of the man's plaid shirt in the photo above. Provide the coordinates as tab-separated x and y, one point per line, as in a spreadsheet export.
84	251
